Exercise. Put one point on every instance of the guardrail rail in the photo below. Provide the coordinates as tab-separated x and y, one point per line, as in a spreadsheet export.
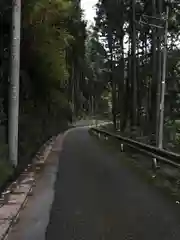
156	153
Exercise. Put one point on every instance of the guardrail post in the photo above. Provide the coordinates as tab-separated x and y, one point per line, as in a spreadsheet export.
154	163
155	166
122	147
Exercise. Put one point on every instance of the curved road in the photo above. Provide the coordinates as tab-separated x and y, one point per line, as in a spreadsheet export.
98	198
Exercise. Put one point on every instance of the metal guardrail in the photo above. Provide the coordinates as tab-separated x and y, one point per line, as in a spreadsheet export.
154	152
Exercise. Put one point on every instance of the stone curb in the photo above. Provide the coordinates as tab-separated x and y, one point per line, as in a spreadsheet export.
16	195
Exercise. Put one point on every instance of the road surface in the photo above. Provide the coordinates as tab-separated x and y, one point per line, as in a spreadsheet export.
95	197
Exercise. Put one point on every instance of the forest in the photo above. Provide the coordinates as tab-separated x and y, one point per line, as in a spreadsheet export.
52	51
142	51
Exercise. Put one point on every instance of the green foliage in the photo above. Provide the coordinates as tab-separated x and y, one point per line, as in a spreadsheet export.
45	28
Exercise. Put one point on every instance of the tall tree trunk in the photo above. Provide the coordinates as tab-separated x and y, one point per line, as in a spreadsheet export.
122	92
113	95
128	89
139	84
153	105
110	43
134	78
72	89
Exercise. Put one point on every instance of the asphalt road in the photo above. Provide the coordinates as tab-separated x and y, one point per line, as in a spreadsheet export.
96	197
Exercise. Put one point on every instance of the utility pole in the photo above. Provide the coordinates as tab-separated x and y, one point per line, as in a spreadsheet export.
163	83
14	84
159	67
